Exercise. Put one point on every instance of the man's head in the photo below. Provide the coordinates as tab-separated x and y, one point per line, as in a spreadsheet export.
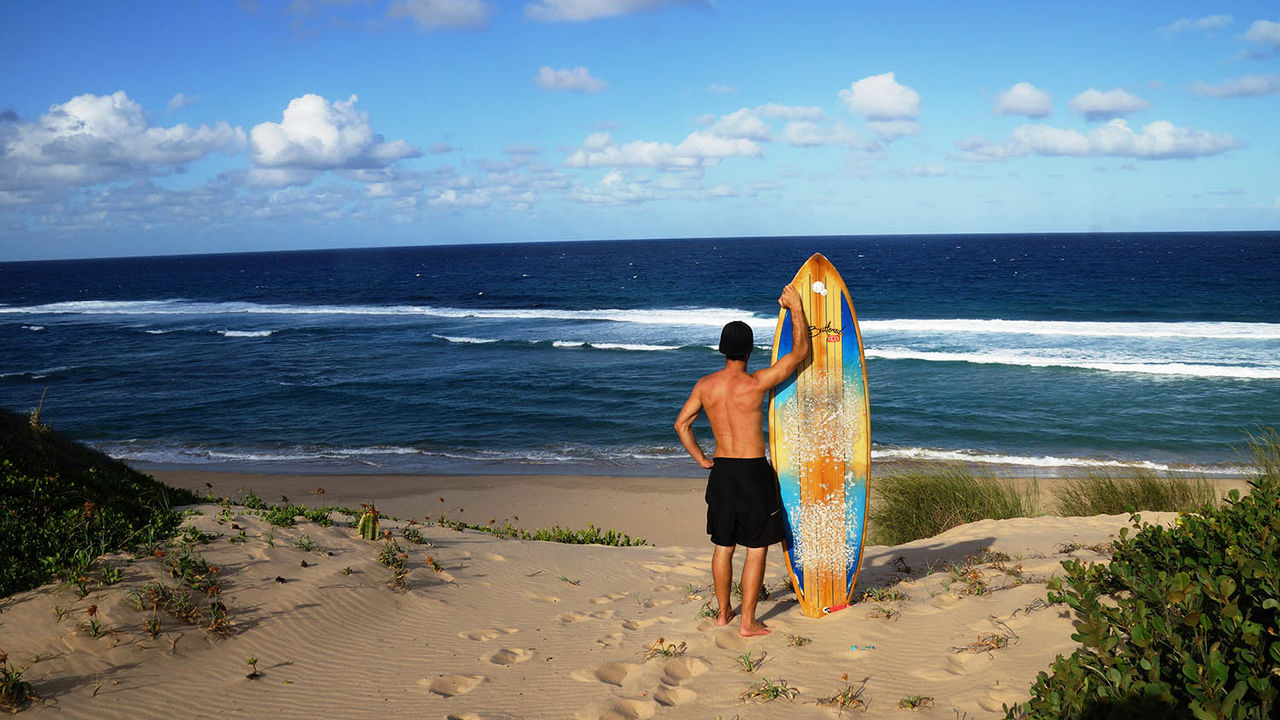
736	340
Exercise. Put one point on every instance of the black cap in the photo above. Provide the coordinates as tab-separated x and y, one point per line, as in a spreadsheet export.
736	339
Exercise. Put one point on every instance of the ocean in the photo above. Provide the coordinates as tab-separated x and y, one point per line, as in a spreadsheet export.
1035	353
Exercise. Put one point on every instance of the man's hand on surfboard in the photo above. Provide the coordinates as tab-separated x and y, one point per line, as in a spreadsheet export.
789	297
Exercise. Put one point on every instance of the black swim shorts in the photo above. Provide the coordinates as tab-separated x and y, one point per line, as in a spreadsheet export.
744	505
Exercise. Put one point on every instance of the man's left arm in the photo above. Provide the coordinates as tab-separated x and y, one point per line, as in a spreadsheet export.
684	428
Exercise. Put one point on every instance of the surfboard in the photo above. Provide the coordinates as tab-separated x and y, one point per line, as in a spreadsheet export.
820	443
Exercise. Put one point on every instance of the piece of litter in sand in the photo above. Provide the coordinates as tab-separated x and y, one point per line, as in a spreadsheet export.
864	647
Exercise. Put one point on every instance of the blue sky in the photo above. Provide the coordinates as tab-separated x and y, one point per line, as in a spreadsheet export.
139	128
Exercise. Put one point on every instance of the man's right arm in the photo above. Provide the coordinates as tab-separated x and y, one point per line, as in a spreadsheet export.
801	343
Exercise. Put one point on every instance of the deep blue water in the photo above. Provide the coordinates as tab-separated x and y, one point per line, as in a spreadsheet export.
1041	351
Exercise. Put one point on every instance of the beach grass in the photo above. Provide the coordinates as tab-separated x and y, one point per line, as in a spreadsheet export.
920	503
1100	493
65	505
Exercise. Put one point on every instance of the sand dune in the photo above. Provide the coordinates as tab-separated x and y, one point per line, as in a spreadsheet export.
524	629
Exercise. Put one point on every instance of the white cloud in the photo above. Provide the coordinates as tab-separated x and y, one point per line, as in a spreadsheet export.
1159	140
584	10
578	79
722	90
181	100
315	134
96	138
745	123
1095	105
889	107
433	15
1206	24
696	151
452	199
614	189
1247	86
881	97
1024	99
1264	32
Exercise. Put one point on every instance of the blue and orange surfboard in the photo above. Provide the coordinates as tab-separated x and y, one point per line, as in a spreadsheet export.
820	443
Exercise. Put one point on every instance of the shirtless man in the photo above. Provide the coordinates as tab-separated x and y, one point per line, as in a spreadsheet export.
744	506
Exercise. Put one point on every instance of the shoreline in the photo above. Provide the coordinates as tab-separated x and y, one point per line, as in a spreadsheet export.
662	510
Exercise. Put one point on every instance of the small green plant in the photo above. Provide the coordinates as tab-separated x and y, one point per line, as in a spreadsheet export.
252	501
767	690
575	583
283	515
92	627
269	537
393	556
665	649
319	516
885	595
252	662
152	625
849	698
192	535
414	535
111	575
748	663
60	612
305	543
15	693
707	610
881	612
347	570
243	537
915	702
798	640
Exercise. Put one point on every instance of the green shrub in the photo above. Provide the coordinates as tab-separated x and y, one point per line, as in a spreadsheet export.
1183	622
922	503
63	504
283	515
1101	494
591	536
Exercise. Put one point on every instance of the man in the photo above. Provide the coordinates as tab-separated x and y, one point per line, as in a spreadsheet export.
744	506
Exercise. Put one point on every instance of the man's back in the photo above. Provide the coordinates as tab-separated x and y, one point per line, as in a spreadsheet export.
732	400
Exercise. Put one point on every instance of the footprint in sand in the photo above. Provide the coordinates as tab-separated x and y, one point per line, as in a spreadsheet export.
675	672
610	639
510	656
667	588
574	616
614	673
729	639
629	710
641	624
544	598
495	557
463	716
672	696
602	614
486	634
996	697
655	602
450	685
607	598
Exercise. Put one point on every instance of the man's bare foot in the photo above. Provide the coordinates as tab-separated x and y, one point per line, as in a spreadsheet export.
755	629
724	618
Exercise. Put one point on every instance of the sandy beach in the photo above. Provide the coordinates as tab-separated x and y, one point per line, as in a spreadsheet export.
501	628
